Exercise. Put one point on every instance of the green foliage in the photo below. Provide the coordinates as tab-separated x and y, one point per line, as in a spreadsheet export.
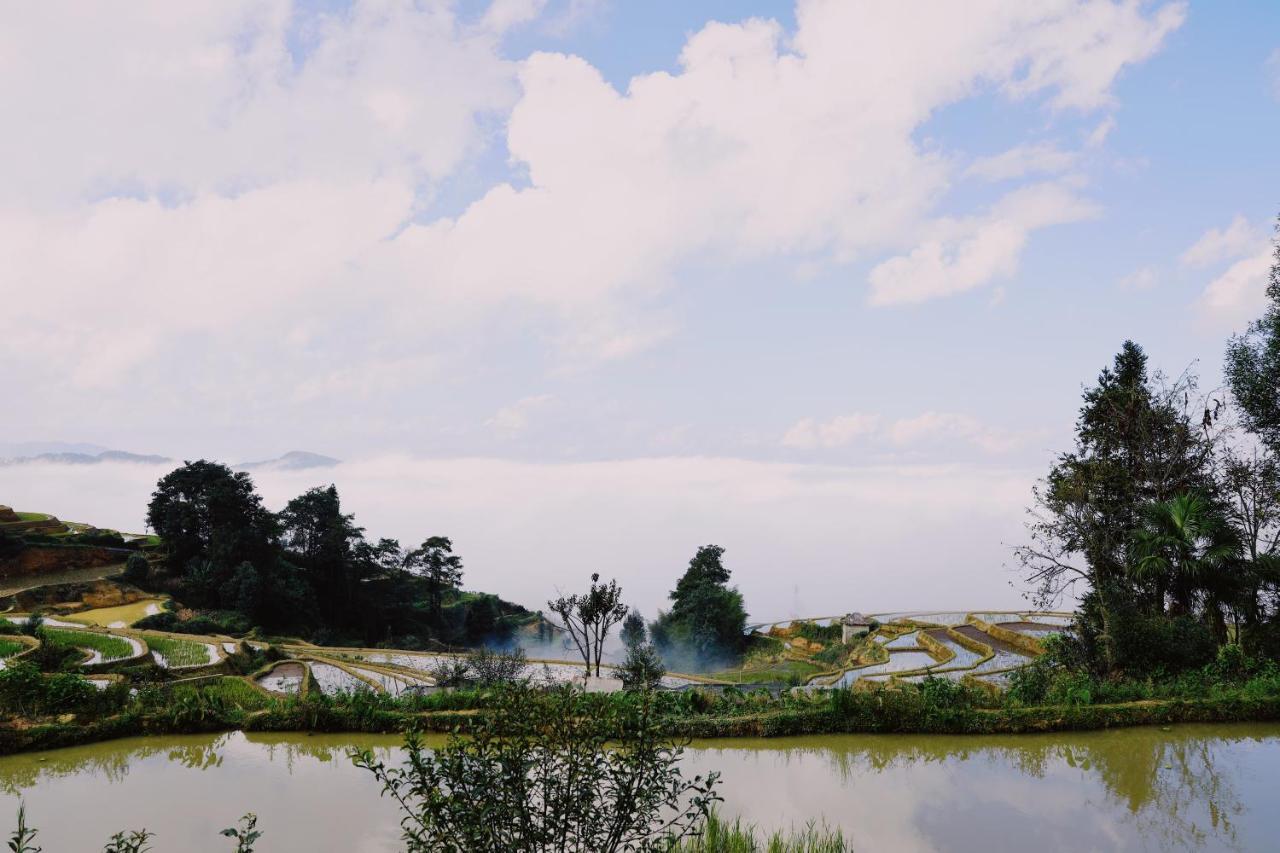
136	569
111	648
440	569
246	834
707	620
812	631
10	647
26	692
178	652
23	835
633	632
548	771
588	618
1252	367
642	669
720	836
132	842
7	627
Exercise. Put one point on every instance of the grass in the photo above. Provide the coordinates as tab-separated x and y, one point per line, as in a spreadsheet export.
33	516
720	836
178	652
111	648
126	614
232	690
10	647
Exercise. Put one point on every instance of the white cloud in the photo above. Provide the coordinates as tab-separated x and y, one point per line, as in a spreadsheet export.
1099	134
502	15
964	254
1141	279
837	432
1022	160
933	426
187	174
1239	294
1223	244
513	419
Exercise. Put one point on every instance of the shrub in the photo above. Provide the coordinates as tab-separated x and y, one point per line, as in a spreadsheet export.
642	669
548	771
136	569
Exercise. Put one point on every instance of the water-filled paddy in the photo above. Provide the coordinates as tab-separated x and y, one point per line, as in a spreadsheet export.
1191	788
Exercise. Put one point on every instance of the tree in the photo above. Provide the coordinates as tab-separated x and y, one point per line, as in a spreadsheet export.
642	669
1252	367
136	569
322	540
588	618
1136	445
204	510
548	772
707	618
440	569
633	631
1186	548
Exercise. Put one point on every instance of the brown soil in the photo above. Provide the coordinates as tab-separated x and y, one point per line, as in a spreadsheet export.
982	637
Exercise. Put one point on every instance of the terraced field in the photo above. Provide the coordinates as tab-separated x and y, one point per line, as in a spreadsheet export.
102	647
172	652
907	635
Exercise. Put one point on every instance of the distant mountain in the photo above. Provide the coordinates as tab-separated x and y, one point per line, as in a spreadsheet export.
29	449
78	458
294	460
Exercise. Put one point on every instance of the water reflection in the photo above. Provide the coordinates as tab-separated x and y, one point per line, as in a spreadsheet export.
1193	787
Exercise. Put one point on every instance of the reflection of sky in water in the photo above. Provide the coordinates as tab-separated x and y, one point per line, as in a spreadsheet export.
1194	787
897	662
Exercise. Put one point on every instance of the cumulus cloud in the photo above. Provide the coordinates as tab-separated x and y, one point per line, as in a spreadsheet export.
1237	293
808	433
932	426
964	254
1224	244
247	188
825	532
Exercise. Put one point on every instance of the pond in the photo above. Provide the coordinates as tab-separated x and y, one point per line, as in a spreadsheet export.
1195	787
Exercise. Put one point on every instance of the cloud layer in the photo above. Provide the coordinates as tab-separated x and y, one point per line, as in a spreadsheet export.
251	194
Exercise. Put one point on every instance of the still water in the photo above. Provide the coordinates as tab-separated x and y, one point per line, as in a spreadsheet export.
1191	788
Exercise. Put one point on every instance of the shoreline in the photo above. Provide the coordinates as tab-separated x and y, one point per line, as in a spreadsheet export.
311	718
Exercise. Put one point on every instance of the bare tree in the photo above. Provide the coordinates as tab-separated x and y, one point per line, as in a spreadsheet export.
589	617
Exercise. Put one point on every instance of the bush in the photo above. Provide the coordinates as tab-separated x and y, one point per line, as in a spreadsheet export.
26	692
507	785
136	569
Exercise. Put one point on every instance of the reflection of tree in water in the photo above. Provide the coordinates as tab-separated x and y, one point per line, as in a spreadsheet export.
1178	787
109	761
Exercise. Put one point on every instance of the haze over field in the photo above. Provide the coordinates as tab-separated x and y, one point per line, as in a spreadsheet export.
801	539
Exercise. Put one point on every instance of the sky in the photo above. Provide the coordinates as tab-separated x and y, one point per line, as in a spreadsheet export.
586	284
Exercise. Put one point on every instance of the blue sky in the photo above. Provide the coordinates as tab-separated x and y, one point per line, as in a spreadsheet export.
844	239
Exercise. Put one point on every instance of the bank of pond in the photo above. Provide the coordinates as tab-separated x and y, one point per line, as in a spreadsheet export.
1189	787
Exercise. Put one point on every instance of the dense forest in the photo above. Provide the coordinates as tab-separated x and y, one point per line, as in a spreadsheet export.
308	569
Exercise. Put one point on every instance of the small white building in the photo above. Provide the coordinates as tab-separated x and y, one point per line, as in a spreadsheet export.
852	625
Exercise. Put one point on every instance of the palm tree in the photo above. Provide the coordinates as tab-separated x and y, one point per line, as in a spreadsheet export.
1186	547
